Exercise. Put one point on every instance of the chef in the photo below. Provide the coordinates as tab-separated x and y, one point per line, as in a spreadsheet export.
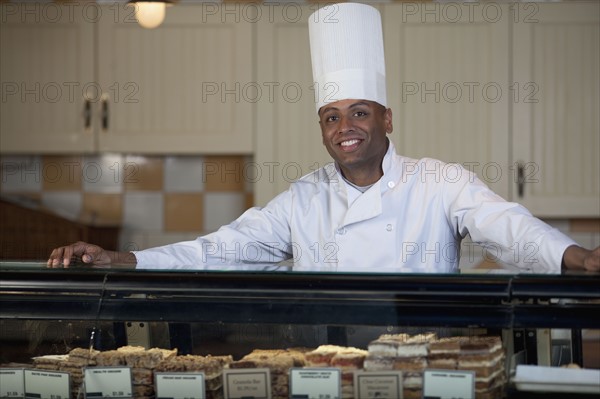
370	210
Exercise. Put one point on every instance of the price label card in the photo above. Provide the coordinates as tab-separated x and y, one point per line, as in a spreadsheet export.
247	383
381	384
47	384
108	382
315	383
438	384
12	383
179	385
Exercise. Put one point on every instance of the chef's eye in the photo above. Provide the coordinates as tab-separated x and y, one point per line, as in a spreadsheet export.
331	118
360	113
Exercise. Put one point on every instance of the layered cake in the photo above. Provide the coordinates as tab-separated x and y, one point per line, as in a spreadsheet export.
278	361
321	357
485	356
386	345
73	363
413	354
401	352
49	362
347	359
211	366
443	353
412	361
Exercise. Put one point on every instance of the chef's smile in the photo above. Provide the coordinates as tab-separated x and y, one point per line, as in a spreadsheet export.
350	145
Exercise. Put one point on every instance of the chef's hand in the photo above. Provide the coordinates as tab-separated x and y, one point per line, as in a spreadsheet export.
592	260
88	253
580	258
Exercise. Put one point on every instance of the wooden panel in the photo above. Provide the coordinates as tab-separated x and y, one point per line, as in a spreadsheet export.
30	233
584	225
46	65
558	134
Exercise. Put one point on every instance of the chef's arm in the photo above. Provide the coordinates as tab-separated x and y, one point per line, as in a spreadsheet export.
576	257
91	254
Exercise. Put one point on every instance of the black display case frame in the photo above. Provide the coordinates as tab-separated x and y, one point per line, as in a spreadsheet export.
468	300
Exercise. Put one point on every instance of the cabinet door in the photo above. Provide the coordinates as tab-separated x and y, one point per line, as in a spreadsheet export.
46	72
289	142
448	86
184	87
556	127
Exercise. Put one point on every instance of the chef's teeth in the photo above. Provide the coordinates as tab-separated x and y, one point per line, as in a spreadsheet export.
349	142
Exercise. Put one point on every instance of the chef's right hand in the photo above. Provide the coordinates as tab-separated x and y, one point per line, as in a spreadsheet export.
88	253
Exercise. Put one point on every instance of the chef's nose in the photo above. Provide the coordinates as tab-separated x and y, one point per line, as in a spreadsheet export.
345	125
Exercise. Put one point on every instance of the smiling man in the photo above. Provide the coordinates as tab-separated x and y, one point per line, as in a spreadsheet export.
372	209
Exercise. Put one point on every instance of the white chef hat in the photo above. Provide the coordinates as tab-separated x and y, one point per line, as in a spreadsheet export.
346	49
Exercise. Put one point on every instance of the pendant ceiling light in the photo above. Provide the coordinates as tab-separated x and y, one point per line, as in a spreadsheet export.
150	13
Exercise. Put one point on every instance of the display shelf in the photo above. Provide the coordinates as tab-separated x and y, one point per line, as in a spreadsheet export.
49	311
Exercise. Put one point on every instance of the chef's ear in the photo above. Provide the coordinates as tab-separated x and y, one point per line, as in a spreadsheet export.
387	120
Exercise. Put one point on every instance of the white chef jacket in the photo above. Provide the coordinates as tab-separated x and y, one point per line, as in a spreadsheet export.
412	220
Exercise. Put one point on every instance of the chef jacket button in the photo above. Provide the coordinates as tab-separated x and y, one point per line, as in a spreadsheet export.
389	227
341	231
391	184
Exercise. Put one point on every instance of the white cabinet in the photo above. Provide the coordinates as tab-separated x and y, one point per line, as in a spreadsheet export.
46	72
288	142
448	85
185	87
180	88
556	129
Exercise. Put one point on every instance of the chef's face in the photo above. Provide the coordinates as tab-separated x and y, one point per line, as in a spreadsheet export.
354	132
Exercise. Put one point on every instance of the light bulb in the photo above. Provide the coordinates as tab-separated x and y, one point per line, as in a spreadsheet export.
150	14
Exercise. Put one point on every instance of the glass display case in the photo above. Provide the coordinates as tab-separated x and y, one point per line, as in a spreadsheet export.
51	311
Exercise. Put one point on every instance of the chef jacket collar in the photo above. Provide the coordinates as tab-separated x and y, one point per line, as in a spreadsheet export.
391	172
369	205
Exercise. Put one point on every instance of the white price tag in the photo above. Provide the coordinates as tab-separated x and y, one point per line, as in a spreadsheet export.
12	383
247	383
315	383
378	384
179	385
439	384
47	384
108	382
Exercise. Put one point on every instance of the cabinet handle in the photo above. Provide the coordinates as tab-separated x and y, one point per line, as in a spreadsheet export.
87	114
520	179
104	113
